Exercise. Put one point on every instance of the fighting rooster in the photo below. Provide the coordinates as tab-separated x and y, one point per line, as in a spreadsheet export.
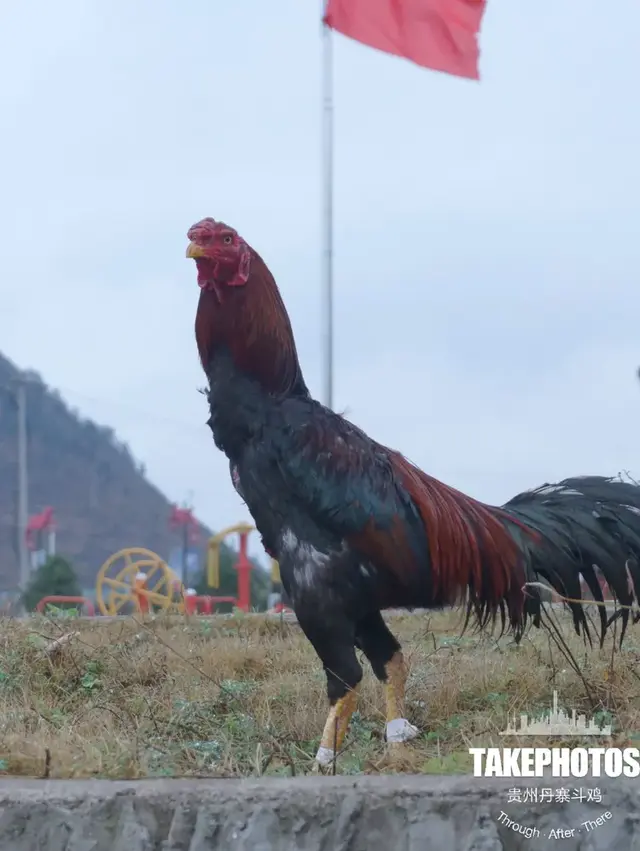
355	526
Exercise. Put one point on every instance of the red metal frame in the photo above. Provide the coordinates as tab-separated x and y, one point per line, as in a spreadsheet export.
244	568
38	523
63	598
204	604
182	518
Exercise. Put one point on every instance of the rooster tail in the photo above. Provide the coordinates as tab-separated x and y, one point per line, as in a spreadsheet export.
474	551
590	528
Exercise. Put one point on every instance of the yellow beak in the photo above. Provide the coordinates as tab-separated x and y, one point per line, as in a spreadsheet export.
194	251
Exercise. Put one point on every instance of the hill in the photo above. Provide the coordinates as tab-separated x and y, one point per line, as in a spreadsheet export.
101	496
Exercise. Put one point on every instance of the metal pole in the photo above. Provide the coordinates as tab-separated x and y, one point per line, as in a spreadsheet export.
327	193
23	485
185	558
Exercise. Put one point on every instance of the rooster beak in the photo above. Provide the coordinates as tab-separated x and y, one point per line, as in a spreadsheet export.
194	251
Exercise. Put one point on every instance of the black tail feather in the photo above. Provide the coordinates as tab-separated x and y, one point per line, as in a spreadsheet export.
586	525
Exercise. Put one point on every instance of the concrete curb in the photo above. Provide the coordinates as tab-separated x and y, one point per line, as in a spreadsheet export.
393	813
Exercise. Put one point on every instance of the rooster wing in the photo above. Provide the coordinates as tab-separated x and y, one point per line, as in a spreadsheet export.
318	475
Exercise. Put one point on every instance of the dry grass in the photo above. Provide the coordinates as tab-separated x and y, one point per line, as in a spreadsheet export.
246	696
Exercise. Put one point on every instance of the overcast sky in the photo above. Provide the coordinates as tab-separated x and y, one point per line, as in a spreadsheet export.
487	235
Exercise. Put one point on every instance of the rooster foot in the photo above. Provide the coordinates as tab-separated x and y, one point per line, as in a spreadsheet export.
323	763
400	731
397	752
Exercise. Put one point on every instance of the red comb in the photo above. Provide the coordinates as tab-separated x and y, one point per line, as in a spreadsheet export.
205	227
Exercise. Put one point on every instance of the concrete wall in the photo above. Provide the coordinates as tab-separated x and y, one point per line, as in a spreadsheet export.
308	814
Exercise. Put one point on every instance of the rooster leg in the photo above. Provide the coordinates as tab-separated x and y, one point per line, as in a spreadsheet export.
383	652
333	638
336	726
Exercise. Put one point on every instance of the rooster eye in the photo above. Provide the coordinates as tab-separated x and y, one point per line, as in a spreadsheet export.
227	240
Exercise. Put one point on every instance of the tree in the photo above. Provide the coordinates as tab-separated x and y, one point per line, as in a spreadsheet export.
55	577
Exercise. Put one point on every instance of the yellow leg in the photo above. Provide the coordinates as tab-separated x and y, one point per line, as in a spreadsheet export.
336	727
398	728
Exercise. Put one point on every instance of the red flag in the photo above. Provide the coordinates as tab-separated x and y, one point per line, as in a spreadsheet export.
438	34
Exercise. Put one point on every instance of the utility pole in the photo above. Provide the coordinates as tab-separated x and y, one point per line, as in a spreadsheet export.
23	482
327	214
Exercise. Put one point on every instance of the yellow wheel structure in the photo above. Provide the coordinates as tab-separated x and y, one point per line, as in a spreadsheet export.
116	584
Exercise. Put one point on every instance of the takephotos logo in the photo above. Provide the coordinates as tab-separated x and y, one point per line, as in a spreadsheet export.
556	761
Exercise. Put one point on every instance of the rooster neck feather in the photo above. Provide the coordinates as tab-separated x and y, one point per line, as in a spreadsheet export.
238	405
251	326
248	352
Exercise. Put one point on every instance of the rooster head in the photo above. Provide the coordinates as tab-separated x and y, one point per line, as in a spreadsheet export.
240	310
223	258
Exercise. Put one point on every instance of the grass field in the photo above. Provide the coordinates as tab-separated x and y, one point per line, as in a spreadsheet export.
246	696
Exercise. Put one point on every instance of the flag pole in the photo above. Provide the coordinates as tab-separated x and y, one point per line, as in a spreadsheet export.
327	217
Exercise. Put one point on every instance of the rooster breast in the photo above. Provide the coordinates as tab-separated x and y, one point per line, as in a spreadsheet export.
315	564
326	576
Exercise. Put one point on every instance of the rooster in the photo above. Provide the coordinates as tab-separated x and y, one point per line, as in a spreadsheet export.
356	527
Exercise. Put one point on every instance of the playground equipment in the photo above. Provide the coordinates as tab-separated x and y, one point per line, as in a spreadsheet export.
278	601
40	536
138	576
243	565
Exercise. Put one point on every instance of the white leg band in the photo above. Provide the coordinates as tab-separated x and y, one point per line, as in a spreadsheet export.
325	756
400	730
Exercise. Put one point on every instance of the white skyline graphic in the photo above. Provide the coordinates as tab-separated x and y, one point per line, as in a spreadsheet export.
555	723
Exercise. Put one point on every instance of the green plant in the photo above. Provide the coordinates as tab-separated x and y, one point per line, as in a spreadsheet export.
56	577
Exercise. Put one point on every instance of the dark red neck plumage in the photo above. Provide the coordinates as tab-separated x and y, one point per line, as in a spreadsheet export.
251	322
